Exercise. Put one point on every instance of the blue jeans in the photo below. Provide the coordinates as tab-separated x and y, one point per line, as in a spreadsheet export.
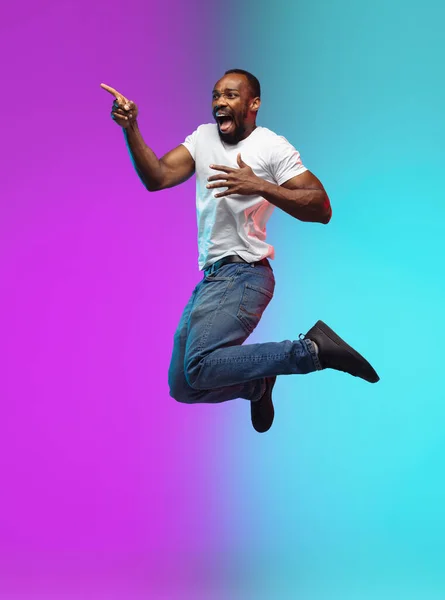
209	362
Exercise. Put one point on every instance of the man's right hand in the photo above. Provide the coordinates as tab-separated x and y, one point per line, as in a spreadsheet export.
156	174
124	112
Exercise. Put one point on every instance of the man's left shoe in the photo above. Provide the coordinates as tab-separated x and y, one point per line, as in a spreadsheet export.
262	412
335	353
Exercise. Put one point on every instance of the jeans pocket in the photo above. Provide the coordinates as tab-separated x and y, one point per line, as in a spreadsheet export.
254	302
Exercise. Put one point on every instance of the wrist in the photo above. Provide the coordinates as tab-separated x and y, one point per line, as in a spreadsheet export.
132	127
263	187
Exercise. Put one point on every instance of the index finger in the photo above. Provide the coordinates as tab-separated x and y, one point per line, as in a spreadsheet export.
222	168
111	90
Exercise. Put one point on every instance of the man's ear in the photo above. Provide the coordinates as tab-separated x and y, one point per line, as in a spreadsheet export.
255	104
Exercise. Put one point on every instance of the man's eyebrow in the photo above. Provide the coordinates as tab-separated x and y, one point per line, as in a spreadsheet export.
226	90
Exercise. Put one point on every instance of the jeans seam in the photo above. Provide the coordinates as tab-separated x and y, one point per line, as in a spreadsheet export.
311	348
209	323
256	359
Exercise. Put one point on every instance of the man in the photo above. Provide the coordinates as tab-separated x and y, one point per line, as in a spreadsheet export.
243	171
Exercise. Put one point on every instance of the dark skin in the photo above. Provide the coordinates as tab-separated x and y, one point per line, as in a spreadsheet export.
303	197
232	96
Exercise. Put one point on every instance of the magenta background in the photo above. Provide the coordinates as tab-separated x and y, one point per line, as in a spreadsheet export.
104	482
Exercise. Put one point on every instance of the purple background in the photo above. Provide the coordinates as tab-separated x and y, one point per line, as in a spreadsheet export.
105	484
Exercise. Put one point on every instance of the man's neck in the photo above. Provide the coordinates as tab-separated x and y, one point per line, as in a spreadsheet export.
249	129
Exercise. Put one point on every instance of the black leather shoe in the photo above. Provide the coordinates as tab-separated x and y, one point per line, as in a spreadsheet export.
334	353
262	412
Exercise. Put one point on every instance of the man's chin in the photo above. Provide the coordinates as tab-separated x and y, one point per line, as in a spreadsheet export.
230	138
227	138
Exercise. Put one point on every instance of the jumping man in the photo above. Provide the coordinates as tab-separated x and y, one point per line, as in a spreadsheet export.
243	171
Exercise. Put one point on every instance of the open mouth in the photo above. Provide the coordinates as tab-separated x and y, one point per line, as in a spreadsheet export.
225	123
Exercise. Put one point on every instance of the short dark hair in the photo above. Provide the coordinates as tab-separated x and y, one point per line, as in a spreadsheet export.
255	87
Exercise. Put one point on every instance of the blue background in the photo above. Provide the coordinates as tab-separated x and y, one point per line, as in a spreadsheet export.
344	497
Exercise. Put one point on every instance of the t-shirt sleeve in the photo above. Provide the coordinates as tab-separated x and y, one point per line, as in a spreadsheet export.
190	143
285	161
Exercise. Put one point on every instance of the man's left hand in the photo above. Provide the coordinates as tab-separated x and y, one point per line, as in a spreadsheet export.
242	181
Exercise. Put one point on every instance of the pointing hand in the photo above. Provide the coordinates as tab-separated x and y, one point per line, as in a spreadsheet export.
123	111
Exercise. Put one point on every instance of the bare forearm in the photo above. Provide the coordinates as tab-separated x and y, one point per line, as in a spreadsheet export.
304	204
145	161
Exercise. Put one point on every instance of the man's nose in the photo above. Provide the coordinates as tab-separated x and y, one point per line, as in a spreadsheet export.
221	102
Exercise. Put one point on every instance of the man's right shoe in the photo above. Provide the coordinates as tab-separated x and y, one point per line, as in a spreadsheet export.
262	411
334	353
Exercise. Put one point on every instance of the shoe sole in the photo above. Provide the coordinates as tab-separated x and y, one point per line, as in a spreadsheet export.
373	378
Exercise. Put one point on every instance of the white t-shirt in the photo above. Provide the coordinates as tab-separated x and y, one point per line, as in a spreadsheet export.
236	224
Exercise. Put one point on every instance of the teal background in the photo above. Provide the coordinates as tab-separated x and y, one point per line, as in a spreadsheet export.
344	497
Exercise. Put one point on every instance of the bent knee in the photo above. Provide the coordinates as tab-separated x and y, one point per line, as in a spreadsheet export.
193	379
181	391
182	398
177	389
193	375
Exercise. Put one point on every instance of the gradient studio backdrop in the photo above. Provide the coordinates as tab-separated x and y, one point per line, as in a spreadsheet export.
110	489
